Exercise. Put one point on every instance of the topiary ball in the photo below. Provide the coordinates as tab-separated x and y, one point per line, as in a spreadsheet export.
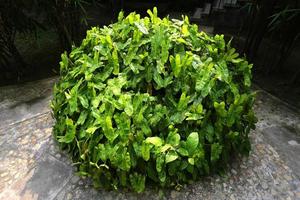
152	101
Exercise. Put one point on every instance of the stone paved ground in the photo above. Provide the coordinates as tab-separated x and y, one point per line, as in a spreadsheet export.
32	166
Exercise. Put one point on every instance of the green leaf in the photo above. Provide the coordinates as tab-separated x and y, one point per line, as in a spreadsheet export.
73	104
70	132
165	148
204	77
91	130
82	117
96	101
177	117
192	142
101	152
115	85
183	102
220	108
176	64
141	27
183	151
209	133
171	156
137	182
145	128
64	63
120	16
173	139
191	161
125	163
216	150
123	178
109	40
115	62
84	101
162	176
160	162
123	124
156	141
185	30
193	116
158	80
222	73
145	150
129	108
108	130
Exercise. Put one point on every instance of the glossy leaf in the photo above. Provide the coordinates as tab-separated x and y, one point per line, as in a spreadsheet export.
192	142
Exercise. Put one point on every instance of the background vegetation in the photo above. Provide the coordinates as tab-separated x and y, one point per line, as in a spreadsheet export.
33	34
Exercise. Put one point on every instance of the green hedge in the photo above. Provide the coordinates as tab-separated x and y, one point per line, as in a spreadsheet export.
152	100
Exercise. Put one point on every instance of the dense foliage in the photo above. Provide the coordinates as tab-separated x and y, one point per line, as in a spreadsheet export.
152	100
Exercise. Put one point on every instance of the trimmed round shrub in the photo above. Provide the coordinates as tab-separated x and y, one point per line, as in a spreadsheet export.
150	100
